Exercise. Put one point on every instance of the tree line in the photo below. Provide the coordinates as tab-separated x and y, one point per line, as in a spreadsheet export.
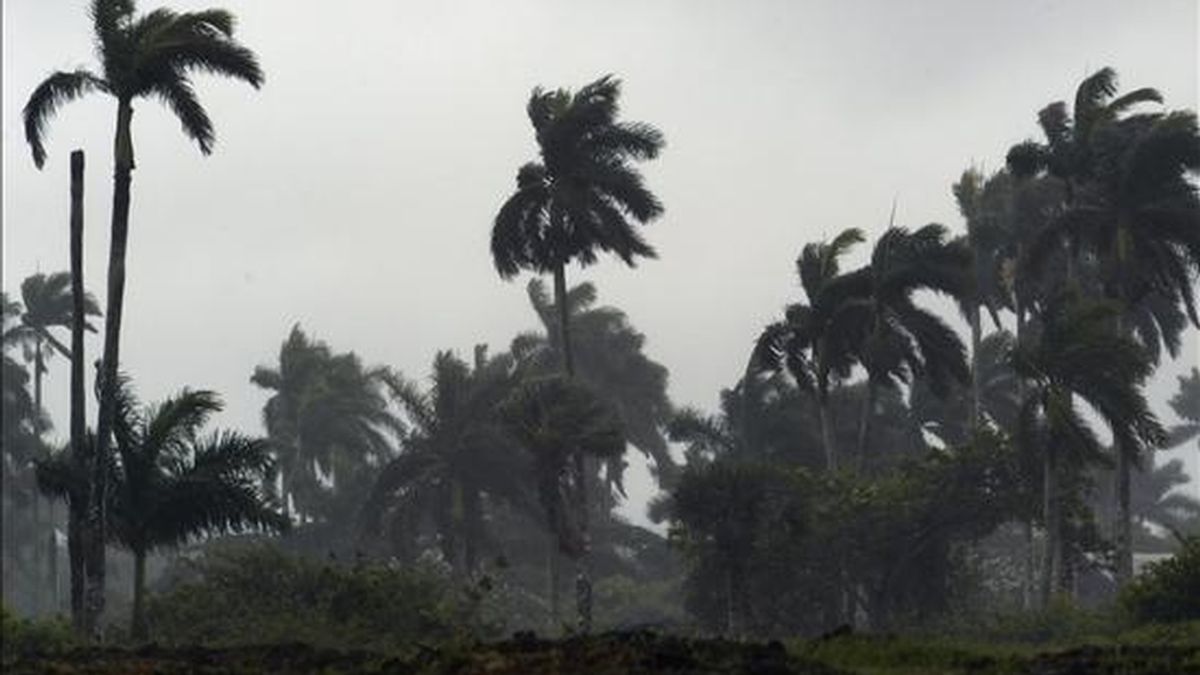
857	471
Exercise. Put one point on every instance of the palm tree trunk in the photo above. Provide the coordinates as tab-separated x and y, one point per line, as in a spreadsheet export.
564	312
97	516
138	624
1030	568
1052	563
583	581
38	573
78	396
864	423
827	430
976	384
730	612
1123	529
554	574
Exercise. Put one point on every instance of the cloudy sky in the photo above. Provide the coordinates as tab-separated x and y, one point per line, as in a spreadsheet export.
354	193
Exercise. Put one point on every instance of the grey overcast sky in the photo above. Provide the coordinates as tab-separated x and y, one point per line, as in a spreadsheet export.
354	193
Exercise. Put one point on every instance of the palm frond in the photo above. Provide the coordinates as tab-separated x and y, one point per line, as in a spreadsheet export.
55	91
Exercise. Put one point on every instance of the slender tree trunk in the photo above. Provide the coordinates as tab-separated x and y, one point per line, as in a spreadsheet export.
730	611
97	516
583	581
1030	568
554	579
827	431
138	627
1052	562
75	550
473	521
39	366
864	423
976	383
1123	530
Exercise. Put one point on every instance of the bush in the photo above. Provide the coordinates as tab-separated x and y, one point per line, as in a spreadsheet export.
1169	590
22	638
258	594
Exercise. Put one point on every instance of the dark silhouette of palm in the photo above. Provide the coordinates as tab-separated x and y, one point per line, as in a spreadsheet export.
170	483
816	343
149	56
455	456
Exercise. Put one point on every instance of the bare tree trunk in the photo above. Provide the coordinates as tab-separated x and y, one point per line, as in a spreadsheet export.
1052	563
78	397
97	516
976	384
138	622
1123	528
1028	592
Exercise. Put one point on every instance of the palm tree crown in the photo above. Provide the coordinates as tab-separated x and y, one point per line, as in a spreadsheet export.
584	194
152	55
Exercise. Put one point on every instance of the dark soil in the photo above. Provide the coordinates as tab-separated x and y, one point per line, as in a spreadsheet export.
615	653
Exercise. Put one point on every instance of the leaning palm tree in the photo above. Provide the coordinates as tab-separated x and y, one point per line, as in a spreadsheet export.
1076	354
148	56
558	421
816	342
903	340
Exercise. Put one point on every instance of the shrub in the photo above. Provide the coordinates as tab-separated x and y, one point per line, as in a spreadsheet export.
22	638
1169	590
259	594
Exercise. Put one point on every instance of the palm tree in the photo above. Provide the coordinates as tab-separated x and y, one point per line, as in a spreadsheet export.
904	341
327	416
171	484
985	206
1135	209
558	421
455	456
582	197
816	343
152	55
48	305
608	357
1077	354
1186	404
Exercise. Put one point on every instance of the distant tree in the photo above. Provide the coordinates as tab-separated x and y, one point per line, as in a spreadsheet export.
1186	404
455	456
47	301
147	56
327	417
816	342
608	357
558	421
902	340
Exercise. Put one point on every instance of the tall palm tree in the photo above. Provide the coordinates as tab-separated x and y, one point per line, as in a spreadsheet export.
1135	209
455	456
608	357
151	55
583	197
557	421
816	342
1075	353
327	416
171	484
904	341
